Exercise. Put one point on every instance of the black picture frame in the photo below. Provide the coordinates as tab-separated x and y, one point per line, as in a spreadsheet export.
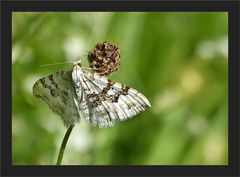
233	9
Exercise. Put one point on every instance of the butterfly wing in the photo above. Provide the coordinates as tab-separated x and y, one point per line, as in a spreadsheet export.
58	92
109	102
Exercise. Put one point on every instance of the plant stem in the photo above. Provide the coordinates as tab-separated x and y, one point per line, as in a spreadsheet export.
64	142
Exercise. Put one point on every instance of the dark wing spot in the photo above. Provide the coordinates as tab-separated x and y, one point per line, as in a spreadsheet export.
64	99
105	90
43	82
46	98
62	72
95	99
52	81
110	83
115	97
65	93
53	92
125	89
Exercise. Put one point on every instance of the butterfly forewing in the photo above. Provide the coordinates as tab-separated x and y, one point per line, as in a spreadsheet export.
58	92
109	102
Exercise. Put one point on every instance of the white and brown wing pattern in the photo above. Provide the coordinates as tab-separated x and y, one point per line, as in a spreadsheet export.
58	92
107	102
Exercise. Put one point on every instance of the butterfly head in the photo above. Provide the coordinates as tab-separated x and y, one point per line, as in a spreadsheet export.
78	63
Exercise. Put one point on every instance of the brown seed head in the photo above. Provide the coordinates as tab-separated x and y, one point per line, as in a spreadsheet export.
104	58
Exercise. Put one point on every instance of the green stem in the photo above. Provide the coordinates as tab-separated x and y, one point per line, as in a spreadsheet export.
64	142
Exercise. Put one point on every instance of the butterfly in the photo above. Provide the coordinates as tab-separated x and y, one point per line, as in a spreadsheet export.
80	94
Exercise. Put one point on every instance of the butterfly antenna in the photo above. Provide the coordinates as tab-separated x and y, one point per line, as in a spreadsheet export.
51	64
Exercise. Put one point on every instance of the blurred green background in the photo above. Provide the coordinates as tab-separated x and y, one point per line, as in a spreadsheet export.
178	60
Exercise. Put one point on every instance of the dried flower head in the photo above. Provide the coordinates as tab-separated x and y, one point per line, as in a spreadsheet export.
104	58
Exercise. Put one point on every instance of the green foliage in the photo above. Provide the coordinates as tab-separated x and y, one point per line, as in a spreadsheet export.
178	60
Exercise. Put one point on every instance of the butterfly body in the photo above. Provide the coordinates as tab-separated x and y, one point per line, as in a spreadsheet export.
80	94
